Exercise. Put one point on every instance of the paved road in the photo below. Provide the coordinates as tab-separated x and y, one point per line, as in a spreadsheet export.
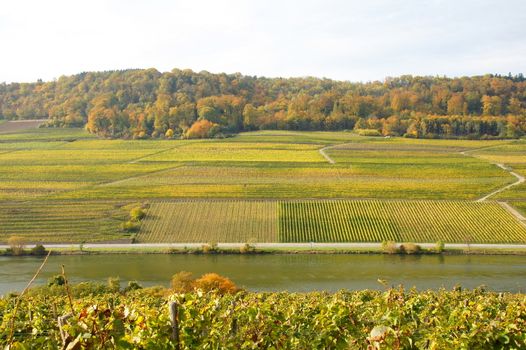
290	246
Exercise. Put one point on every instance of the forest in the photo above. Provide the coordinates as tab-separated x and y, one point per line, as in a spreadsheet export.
145	103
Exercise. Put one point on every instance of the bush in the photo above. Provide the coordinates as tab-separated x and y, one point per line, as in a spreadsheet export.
410	248
132	285
247	248
57	280
169	134
137	214
114	284
389	247
131	226
38	250
439	247
17	245
182	282
368	132
216	283
209	248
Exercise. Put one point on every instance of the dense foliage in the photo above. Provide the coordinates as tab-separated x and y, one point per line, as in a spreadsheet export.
393	319
147	103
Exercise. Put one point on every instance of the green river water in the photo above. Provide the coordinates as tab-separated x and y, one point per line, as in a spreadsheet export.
296	272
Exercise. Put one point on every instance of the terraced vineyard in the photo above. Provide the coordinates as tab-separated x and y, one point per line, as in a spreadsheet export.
61	222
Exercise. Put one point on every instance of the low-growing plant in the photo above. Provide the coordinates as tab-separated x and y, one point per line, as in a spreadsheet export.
182	282
131	226
137	214
439	246
38	250
247	248
410	248
389	247
211	247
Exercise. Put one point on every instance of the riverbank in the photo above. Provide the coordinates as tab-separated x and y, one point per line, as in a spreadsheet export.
275	248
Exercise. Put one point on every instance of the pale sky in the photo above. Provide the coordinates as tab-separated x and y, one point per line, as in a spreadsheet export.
357	40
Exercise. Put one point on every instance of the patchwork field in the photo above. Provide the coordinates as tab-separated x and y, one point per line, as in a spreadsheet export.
42	170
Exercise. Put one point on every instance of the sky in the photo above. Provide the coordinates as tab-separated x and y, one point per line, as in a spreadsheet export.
356	40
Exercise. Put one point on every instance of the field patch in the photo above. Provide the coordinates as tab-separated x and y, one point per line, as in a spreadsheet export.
210	221
401	221
200	221
61	222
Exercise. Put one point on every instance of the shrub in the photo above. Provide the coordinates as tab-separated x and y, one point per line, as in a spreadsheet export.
132	285
57	280
209	247
214	282
17	245
439	247
410	248
114	284
131	226
137	214
169	133
368	132
246	248
38	250
182	282
389	247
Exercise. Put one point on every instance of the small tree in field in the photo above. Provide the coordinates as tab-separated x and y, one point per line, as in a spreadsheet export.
17	245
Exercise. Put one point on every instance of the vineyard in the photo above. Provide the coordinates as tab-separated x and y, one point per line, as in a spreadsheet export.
393	319
401	221
241	181
330	221
61	221
210	221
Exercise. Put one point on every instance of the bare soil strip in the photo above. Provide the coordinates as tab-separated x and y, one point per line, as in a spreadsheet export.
17	125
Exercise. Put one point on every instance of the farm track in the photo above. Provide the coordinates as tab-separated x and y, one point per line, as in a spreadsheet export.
520	179
326	156
287	246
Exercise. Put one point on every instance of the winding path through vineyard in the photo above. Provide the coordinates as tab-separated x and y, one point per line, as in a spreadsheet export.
520	179
325	155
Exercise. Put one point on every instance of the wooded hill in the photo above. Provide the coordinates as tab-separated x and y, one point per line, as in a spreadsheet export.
183	103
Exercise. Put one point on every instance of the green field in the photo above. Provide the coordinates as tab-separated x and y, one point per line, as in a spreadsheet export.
49	168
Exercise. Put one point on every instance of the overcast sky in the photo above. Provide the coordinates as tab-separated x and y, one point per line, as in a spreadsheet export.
357	40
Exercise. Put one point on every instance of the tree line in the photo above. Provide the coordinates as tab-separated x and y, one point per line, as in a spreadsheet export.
145	103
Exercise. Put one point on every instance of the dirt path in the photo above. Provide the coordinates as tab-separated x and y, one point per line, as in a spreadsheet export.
514	212
520	179
326	156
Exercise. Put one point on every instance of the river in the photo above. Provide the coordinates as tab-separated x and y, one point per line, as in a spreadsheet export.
296	272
